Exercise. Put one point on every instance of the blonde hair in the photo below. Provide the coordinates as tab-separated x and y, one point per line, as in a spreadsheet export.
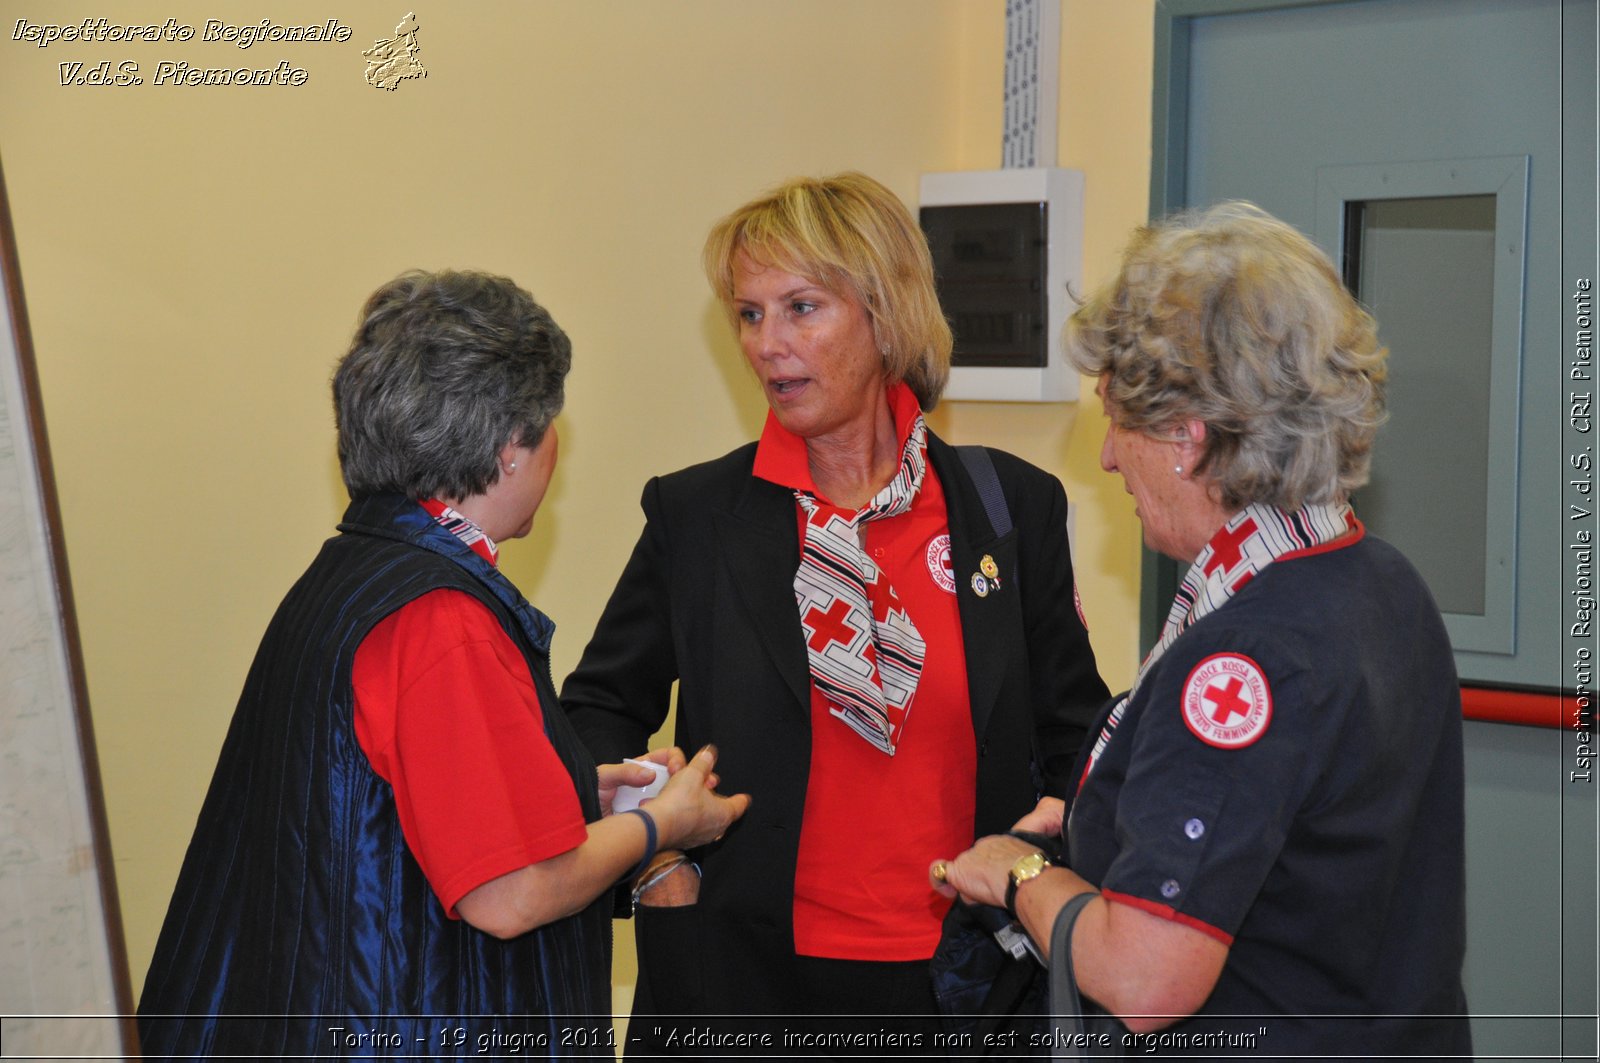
1234	318
853	236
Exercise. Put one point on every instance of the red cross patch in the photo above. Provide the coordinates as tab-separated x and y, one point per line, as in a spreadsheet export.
940	566
1226	701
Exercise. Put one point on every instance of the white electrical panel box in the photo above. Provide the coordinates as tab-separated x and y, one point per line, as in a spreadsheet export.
1006	245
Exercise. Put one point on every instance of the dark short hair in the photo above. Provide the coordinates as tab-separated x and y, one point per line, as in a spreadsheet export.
445	370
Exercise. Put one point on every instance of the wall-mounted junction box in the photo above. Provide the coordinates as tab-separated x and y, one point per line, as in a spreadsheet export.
1006	244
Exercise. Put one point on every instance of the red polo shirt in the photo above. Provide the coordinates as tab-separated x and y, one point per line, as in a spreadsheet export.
447	713
874	822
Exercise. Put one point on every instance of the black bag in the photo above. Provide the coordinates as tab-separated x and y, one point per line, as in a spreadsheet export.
987	997
996	1004
991	1000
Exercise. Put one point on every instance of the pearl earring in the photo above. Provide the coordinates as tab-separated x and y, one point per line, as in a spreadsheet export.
1178	469
513	467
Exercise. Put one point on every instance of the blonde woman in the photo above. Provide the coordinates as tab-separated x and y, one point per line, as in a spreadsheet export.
885	666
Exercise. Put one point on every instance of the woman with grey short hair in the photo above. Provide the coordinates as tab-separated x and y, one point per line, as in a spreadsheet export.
405	843
444	370
1266	840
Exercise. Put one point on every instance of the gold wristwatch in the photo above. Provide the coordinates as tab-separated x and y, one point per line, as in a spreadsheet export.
1025	869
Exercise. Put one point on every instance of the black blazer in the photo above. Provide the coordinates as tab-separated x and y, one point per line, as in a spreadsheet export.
707	599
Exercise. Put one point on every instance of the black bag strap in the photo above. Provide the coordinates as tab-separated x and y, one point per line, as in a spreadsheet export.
981	468
1066	1006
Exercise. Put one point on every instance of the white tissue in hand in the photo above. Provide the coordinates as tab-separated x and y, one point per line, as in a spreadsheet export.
630	796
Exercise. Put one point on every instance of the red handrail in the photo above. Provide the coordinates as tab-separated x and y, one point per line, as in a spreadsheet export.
1521	707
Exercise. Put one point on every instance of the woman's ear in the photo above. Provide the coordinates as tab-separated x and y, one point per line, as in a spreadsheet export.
1189	441
508	459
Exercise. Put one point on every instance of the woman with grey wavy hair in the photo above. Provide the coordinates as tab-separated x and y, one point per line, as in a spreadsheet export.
403	825
1234	319
444	369
1270	822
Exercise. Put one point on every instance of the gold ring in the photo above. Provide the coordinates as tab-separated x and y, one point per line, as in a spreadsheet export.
941	871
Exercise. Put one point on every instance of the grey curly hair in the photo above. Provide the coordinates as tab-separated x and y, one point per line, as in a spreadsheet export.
1234	318
445	369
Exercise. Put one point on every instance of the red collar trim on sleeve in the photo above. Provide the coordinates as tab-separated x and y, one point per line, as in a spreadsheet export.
1169	913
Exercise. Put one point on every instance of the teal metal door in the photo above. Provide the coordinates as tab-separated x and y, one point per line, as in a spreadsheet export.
1425	145
1309	109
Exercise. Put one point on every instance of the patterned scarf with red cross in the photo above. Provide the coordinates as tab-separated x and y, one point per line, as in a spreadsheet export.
462	528
866	655
1256	537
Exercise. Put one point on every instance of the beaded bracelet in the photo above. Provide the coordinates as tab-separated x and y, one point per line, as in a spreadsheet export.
649	842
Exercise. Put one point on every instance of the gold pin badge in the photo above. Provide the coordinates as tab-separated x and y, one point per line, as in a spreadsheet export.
980	586
988	567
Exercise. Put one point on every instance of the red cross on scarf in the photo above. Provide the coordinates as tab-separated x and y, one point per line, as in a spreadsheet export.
1228	545
829	626
1254	538
866	654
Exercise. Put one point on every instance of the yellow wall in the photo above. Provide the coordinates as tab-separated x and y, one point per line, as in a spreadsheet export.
194	257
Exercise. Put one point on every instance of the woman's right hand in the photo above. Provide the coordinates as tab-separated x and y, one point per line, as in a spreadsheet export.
688	812
678	889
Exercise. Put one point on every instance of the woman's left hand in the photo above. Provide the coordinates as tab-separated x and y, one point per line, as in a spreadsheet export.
1046	818
615	775
980	875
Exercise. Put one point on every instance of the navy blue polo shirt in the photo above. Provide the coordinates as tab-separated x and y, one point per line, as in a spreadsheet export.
1288	780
